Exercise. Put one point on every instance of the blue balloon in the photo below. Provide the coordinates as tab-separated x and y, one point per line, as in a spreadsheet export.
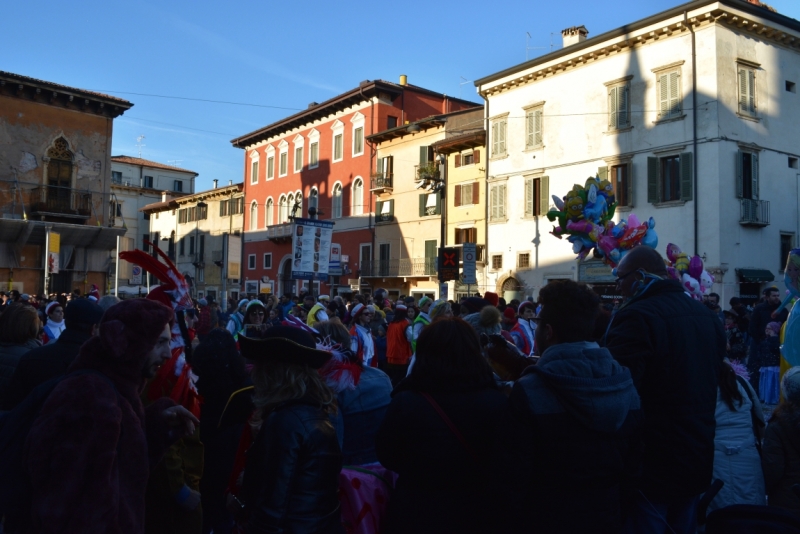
650	238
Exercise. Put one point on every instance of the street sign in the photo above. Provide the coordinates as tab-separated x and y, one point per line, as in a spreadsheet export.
469	264
443	290
448	263
136	276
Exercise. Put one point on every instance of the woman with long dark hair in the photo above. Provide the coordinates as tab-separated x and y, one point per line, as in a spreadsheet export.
291	476
437	433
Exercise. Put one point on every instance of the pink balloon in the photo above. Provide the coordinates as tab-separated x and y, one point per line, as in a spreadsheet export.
695	267
672	252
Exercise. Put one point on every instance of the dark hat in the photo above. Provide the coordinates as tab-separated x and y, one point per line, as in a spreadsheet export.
83	311
285	343
475	304
735	301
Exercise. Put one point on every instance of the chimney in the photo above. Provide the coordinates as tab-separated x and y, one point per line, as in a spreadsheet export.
215	184
165	196
230	182
574	35
403	80
313	105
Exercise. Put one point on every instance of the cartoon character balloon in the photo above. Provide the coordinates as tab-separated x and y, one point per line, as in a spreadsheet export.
689	271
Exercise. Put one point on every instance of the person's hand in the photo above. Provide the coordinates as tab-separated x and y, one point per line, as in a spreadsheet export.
188	499
181	419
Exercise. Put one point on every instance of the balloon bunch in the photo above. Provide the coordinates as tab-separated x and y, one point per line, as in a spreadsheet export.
689	272
585	214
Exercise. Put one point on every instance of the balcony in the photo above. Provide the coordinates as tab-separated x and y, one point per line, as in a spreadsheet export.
428	171
280	232
406	267
381	183
60	202
754	212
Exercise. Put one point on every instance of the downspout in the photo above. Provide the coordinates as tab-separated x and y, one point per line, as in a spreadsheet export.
694	132
370	226
486	195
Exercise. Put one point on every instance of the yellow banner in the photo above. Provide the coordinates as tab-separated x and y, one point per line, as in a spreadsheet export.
55	242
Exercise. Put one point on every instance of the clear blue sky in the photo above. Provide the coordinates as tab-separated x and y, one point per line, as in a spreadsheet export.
283	54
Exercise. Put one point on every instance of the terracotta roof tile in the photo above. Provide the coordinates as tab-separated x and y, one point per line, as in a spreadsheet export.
58	86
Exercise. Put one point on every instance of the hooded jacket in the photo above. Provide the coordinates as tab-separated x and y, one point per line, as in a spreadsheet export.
568	443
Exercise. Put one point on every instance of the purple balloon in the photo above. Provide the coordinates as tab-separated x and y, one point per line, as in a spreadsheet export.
695	267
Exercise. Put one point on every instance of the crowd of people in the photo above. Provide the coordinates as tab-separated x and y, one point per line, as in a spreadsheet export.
410	415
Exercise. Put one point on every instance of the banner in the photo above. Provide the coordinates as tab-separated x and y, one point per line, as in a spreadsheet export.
234	257
311	249
469	251
52	252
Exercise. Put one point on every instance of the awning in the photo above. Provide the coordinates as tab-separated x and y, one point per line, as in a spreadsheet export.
21	232
755	275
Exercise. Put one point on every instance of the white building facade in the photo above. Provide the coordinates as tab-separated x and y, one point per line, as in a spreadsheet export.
691	114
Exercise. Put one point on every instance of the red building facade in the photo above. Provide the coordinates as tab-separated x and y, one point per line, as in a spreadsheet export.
319	159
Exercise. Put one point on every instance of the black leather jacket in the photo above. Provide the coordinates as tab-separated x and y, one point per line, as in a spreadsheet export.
291	477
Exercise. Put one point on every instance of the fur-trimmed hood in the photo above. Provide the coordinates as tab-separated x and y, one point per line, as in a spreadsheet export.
486	321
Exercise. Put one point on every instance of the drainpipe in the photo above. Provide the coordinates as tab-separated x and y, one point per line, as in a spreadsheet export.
486	196
694	132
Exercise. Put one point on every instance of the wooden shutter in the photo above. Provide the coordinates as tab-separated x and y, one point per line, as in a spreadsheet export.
423	155
739	174
537	127
476	156
457	199
544	195
494	139
622	106
629	182
380	166
501	197
528	196
493	203
502	137
476	195
458	240
530	129
471	235
751	86
686	175
612	108
663	96
744	97
652	180
379	210
439	203
754	174
674	94
458	160
422	200
388	166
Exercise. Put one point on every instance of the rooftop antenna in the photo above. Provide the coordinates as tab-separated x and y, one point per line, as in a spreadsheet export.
175	162
461	84
528	41
140	144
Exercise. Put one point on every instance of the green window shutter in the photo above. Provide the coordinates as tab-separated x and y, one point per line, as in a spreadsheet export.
544	194
674	94
422	199
529	129
663	96
629	175
751	83
743	94
652	180
612	108
754	171
622	106
430	249
739	174
378	210
423	155
538	128
528	196
391	209
380	165
602	173
686	176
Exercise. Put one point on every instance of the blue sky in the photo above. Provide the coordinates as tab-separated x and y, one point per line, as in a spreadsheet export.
283	55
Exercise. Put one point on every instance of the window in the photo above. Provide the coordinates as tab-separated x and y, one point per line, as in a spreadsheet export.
467	194
467	158
786	246
289	206
284	165
268	260
337	147
747	175
669	178
251	261
148	182
223	208
270	167
793	163
298	159
466	235
191	245
201	275
254	172
533	127
497	261
668	87
358	197
391	122
269	216
313	155
337	201
182	216
201	247
182	247
499	138
523	260
283	209
116	177
430	204
747	90
177	185
384	211
358	141
202	212
497	202
253	215
619	106
298	199
618	175
313	202
791	87
237	206
537	196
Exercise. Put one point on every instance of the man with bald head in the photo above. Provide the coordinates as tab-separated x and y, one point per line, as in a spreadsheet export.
673	346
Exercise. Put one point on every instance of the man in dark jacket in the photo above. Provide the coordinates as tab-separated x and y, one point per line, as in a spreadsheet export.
569	441
673	346
49	361
763	314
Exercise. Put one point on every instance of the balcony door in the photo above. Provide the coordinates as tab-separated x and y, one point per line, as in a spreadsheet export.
59	176
384	250
431	255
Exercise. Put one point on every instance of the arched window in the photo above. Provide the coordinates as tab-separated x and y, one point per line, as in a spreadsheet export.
337	201
313	202
358	197
253	216
269	216
298	198
282	211
59	174
289	205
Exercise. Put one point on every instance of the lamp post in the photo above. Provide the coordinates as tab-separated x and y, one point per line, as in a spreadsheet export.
198	259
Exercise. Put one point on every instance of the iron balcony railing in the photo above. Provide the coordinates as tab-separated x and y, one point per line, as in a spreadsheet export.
754	212
398	268
60	201
381	181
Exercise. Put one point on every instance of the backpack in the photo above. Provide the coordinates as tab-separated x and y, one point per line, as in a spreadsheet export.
15	425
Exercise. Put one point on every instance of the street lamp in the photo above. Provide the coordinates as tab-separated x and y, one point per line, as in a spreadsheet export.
198	260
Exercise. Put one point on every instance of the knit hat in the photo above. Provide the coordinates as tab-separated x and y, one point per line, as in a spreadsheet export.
52	306
437	308
524	306
242	303
83	311
774	326
474	304
509	315
424	300
129	330
202	302
400	307
357	310
324	298
25	297
790	386
492	298
253	303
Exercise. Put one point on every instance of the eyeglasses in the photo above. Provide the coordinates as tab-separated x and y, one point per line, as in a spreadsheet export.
624	276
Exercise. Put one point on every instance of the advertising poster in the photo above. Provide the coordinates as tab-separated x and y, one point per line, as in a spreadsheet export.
311	249
52	253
